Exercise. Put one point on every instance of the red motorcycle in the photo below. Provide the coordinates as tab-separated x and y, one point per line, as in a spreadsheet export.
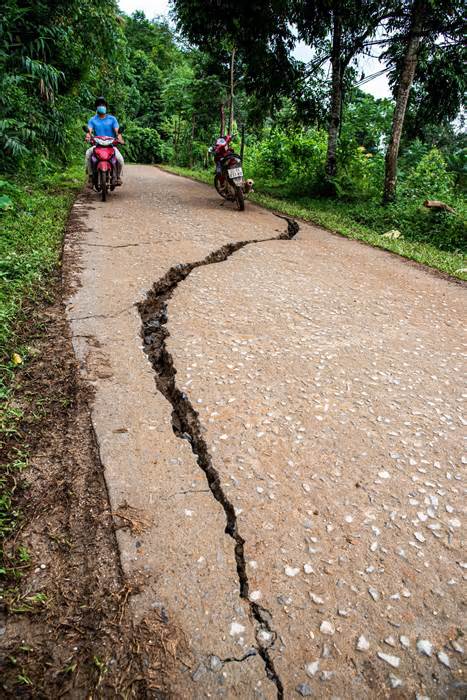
104	163
229	180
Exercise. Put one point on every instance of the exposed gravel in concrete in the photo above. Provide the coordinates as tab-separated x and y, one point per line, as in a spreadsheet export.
328	378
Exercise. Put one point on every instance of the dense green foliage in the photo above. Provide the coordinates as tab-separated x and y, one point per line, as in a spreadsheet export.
31	238
290	165
56	57
52	58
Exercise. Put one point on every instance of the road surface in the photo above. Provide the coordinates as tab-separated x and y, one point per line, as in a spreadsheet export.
280	432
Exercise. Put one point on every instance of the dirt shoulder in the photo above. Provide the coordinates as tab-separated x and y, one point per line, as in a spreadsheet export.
67	632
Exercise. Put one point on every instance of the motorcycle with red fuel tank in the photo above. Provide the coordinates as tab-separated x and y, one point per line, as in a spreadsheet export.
228	180
104	163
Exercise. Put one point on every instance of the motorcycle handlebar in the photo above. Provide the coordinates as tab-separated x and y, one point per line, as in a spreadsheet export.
114	142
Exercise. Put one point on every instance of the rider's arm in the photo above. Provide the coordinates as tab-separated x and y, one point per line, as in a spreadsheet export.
118	135
90	130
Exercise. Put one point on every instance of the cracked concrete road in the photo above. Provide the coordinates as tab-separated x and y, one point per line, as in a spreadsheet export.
327	377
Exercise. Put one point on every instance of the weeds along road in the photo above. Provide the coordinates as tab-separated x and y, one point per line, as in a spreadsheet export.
280	433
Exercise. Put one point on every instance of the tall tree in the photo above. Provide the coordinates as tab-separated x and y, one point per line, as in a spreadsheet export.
419	26
439	88
153	55
260	32
232	90
339	30
409	65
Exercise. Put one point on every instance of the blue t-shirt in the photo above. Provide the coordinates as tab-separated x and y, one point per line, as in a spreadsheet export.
103	127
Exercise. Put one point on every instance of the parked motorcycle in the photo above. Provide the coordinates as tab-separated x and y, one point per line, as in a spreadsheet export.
229	180
104	163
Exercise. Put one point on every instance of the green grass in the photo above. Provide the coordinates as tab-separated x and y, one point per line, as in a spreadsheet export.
364	222
30	249
31	240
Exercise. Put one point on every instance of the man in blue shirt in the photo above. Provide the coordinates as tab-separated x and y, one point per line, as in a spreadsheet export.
103	124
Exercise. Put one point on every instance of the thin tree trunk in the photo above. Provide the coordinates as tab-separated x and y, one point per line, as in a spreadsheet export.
232	85
177	136
402	97
175	141
242	145
336	97
222	120
193	123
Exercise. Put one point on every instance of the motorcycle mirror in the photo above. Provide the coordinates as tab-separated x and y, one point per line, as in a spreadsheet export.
85	129
122	128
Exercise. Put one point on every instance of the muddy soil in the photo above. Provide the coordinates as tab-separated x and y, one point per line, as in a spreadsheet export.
80	641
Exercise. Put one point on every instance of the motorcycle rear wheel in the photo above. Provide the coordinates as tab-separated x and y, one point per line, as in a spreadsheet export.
103	184
217	185
240	199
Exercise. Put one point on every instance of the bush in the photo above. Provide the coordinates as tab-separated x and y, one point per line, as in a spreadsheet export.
267	158
443	230
360	174
144	145
429	179
295	159
306	151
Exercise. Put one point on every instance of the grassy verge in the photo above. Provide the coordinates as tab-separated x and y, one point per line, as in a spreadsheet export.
341	217
30	248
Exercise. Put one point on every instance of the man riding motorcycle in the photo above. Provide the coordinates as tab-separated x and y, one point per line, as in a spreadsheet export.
103	124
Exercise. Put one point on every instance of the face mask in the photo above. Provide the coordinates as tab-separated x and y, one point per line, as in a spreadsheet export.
101	109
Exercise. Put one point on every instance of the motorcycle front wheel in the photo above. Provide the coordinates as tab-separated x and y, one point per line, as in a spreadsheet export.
103	184
240	199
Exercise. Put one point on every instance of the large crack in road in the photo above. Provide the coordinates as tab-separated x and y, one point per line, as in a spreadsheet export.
186	423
